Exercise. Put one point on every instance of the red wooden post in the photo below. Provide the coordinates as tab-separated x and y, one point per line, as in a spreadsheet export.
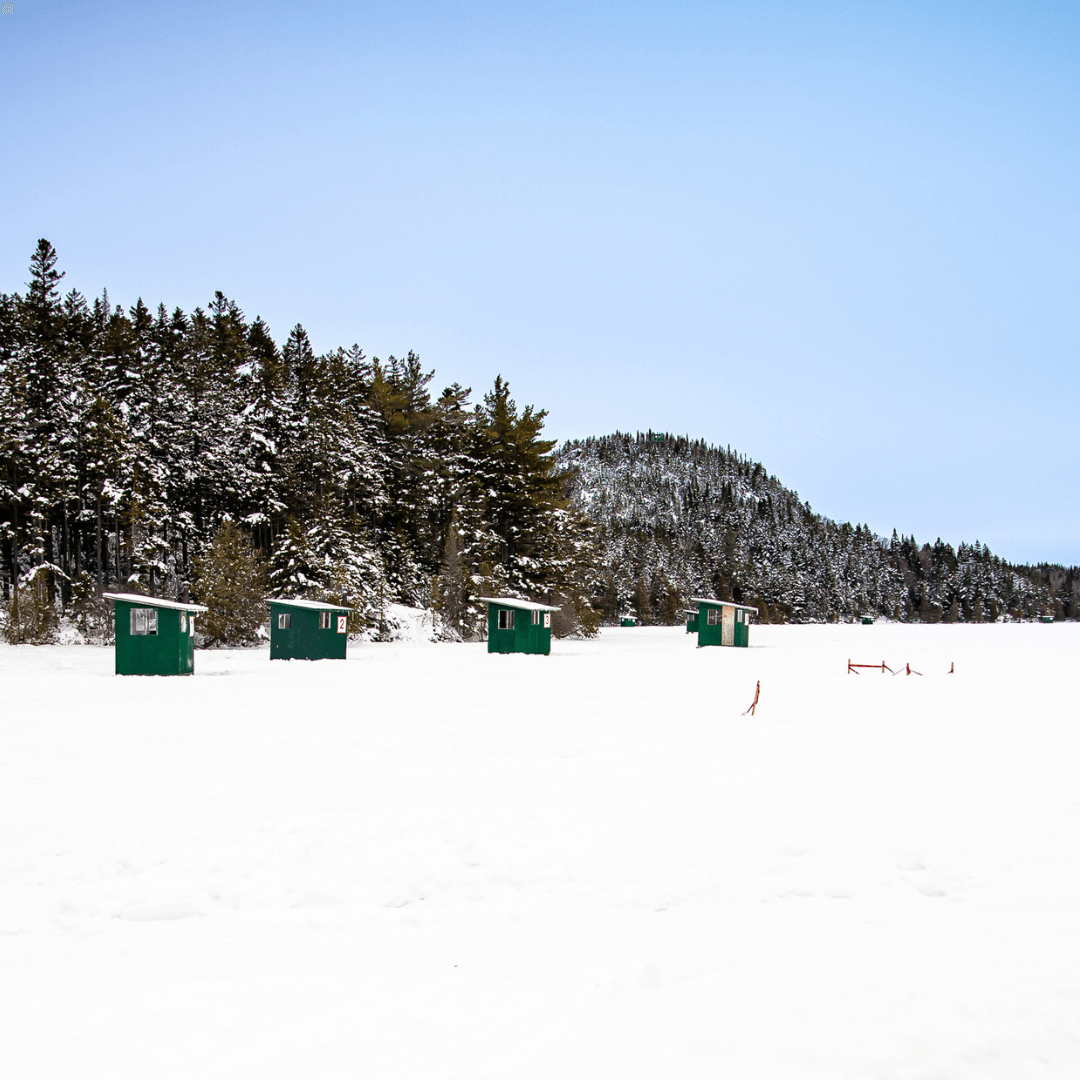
753	704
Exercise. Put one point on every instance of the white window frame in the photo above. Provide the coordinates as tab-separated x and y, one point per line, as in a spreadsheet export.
284	620
715	617
506	618
325	620
144	622
536	618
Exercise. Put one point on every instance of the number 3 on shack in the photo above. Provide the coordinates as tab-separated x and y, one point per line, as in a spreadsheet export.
518	626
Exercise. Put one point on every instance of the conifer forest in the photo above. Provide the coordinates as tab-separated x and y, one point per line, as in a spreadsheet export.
176	453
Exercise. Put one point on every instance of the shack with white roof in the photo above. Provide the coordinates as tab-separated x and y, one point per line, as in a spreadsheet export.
153	636
518	626
723	622
307	630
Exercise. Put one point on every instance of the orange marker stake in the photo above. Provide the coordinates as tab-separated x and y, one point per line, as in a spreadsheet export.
753	705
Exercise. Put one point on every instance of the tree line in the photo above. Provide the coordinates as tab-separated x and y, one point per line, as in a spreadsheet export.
680	518
131	441
171	452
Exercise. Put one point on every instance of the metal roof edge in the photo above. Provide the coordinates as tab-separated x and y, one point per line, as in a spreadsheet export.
310	605
725	603
514	602
153	601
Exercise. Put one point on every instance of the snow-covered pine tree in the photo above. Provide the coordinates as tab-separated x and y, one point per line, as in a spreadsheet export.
450	588
230	579
267	391
41	348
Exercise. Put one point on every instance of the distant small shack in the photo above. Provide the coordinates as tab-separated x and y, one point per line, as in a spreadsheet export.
307	630
153	636
628	620
723	622
866	620
518	626
691	620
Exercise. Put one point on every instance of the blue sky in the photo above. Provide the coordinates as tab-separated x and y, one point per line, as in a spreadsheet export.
843	238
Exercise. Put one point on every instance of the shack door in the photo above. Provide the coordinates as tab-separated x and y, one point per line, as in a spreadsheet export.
727	630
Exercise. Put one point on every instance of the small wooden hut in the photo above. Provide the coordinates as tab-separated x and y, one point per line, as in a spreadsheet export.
518	626
307	630
723	622
153	636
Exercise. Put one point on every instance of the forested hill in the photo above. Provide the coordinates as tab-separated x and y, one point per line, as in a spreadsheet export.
679	518
165	451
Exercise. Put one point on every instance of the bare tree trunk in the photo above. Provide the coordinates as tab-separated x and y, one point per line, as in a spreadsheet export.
65	544
76	537
16	615
99	561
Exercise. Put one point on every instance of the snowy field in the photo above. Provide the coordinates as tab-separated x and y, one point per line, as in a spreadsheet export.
430	862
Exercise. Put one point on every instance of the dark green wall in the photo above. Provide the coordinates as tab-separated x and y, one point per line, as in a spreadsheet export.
713	635
168	652
524	638
304	640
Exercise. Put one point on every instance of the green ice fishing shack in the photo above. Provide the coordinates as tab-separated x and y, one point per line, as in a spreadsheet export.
691	620
153	637
722	622
307	630
518	626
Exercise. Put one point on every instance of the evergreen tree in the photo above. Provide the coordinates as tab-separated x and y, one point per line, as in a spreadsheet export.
450	593
230	579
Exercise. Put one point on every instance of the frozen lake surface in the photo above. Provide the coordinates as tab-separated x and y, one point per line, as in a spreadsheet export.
430	862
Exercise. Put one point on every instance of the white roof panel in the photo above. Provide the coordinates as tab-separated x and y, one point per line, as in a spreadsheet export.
312	605
726	603
152	601
513	602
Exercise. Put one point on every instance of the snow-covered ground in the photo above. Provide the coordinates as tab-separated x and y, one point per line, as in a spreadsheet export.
431	862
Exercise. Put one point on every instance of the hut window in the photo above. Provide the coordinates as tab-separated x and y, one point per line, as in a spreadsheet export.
143	621
536	618
714	618
738	616
284	622
183	622
547	619
191	625
324	620
506	620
